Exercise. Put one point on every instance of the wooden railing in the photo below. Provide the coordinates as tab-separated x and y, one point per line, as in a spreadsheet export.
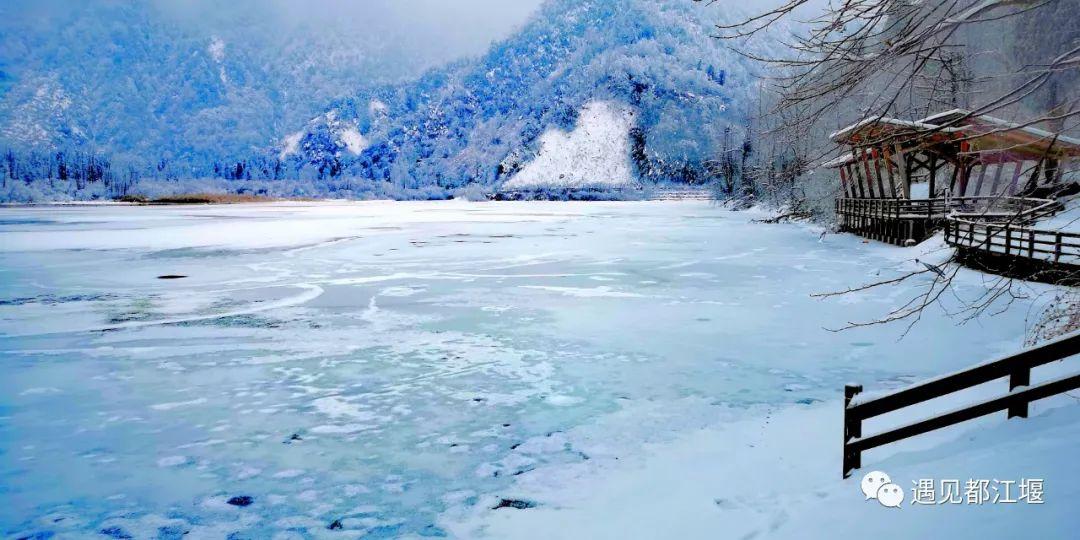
1011	239
891	208
1014	209
1017	367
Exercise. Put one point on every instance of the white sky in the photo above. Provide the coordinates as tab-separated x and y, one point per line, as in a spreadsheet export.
441	28
424	31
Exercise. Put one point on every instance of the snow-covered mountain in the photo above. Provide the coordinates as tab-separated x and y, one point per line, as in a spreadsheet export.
586	92
485	120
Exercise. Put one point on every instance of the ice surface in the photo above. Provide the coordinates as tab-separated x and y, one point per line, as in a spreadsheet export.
397	367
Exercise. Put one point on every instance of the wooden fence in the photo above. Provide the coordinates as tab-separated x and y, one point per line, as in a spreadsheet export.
891	208
1058	247
1017	367
899	220
1015	209
891	220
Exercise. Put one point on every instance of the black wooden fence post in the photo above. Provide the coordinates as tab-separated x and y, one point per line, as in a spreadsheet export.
1018	378
852	429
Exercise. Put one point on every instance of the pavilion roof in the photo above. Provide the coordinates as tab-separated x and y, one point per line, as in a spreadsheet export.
984	134
844	159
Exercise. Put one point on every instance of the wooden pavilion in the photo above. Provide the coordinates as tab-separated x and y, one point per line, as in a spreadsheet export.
969	164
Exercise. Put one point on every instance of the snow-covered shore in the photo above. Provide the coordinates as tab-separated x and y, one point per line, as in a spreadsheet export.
775	474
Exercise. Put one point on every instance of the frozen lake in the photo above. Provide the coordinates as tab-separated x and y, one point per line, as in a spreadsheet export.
378	367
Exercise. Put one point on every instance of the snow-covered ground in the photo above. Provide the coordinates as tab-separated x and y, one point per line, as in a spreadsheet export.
395	370
595	153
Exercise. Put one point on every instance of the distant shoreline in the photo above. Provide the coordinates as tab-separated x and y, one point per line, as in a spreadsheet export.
565	194
173	200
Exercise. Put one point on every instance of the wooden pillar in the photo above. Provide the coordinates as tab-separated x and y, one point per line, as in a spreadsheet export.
875	156
869	177
979	183
933	176
852	459
1033	182
849	182
872	160
864	188
956	167
853	182
1019	379
1016	177
1053	169
965	178
1060	169
905	175
856	173
887	158
965	167
997	178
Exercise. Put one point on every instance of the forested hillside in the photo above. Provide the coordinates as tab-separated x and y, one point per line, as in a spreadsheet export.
480	121
136	81
217	109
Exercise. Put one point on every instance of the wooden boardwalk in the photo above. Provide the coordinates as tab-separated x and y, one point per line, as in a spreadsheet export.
903	221
998	235
1016	250
895	221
